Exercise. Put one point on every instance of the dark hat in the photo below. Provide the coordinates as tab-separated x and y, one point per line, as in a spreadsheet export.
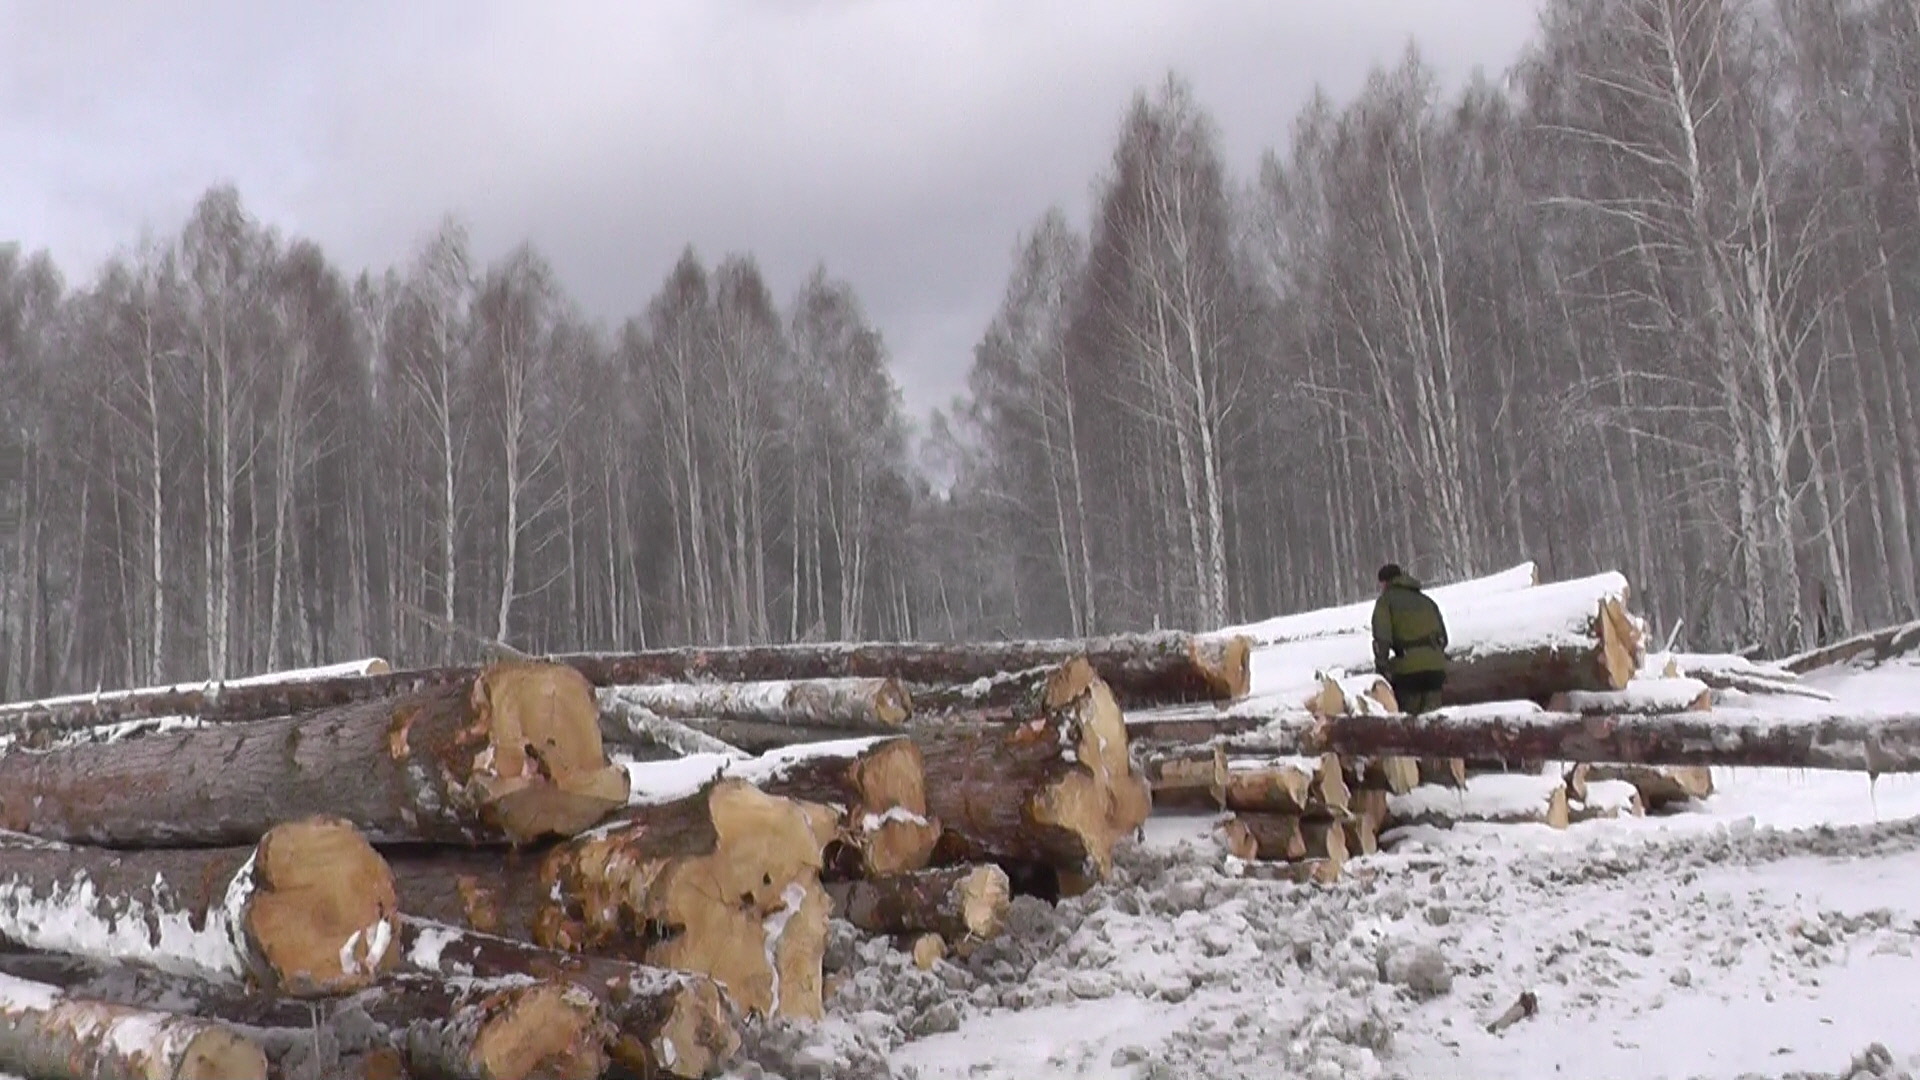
1389	572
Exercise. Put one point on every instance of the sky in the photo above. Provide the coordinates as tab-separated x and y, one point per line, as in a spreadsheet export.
904	145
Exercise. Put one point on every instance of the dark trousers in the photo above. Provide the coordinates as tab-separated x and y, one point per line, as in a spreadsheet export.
1419	692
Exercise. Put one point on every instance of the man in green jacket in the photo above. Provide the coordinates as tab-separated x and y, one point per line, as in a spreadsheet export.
1409	642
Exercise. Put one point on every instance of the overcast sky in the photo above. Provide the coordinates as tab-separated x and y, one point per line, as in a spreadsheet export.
903	143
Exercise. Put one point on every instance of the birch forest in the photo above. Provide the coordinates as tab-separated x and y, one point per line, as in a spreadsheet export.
1648	300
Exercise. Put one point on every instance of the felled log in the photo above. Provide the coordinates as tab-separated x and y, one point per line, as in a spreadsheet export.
1288	785
1737	673
46	1034
1388	772
853	705
307	911
509	1027
512	754
1356	618
1874	744
1057	788
876	786
708	883
1533	644
624	724
1604	799
672	1023
1190	781
1447	772
1496	799
1353	694
1868	649
1659	786
1641	696
955	902
1188	726
1006	697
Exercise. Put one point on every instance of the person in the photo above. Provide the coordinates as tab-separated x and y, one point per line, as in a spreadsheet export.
1409	641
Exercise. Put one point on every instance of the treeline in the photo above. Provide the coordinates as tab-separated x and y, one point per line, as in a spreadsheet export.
1652	302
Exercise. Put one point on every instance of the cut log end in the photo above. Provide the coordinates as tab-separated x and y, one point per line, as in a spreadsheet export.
892	705
892	832
698	1035
796	939
928	950
544	1030
986	895
322	908
543	770
216	1053
1620	644
1225	663
1066	682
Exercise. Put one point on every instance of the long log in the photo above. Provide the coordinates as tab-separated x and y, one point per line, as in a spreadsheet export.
1057	789
1641	695
1288	785
1003	698
507	1027
511	754
49	1035
1729	672
856	705
624	724
708	883
307	911
1356	618
955	902
1143	669
1871	743
1531	645
1874	647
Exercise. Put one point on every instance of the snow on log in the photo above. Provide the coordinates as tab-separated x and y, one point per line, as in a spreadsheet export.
511	754
1007	697
1658	787
1872	743
1571	635
622	723
852	705
672	1023
49	1035
1357	618
955	902
1511	798
501	1027
307	911
1736	673
1641	695
1605	799
876	786
1862	650
1286	785
711	882
1057	788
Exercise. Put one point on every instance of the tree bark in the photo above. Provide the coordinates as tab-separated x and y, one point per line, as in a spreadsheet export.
47	1034
1544	651
307	911
1645	697
713	883
1003	698
1875	647
1058	788
1872	744
512	753
855	705
955	902
674	1023
1284	786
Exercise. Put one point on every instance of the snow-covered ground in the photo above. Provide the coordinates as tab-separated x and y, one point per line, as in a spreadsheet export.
1769	931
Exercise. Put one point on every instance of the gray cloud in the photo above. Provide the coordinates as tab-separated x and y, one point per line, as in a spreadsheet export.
904	145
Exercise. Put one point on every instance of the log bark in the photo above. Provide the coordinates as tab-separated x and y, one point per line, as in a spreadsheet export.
1647	697
665	1023
1868	649
851	705
710	883
47	1034
511	755
1285	838
1143	670
1057	789
1873	743
876	788
508	1027
1004	698
625	724
1551	648
955	902
308	911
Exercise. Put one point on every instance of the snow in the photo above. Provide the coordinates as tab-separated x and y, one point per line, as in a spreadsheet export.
344	669
1641	695
1355	618
75	918
429	946
1487	797
16	994
650	783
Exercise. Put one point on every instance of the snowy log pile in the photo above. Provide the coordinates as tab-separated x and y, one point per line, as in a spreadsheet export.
548	867
1555	713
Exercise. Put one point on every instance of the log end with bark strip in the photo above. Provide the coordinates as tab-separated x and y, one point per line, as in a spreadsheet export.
532	1031
322	908
955	902
543	770
1225	664
880	787
46	1033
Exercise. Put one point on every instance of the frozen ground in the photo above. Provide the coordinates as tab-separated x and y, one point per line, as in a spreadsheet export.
1770	931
